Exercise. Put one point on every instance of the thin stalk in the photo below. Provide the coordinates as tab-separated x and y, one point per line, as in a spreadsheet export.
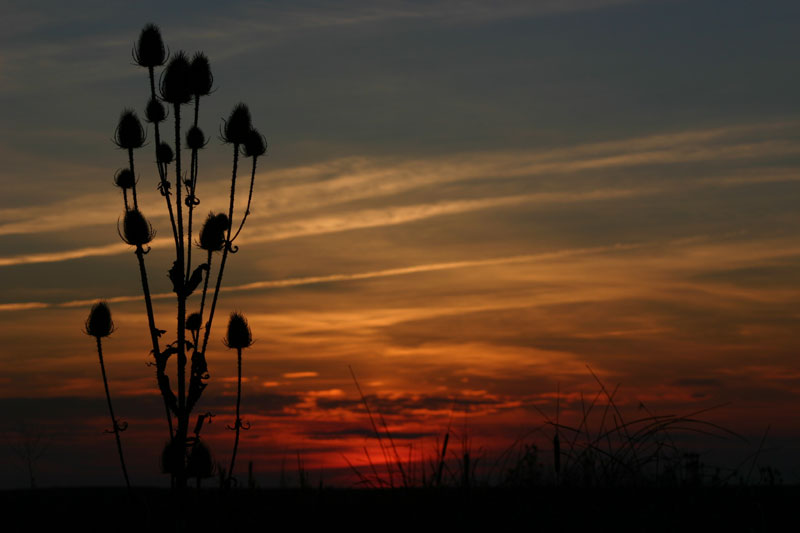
111	412
130	162
183	414
225	250
166	392
249	198
125	198
238	423
162	172
193	180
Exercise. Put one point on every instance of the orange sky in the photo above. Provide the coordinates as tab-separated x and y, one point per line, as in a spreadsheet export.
469	251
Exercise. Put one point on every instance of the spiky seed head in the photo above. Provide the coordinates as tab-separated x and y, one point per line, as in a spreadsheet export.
200	77
149	50
195	139
164	153
238	125
99	323
175	80
124	178
155	111
212	235
129	133
255	144
193	322
136	230
239	335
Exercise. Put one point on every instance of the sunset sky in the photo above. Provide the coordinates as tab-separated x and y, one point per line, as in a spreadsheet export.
465	202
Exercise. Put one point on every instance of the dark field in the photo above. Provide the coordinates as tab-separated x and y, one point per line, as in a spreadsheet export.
491	509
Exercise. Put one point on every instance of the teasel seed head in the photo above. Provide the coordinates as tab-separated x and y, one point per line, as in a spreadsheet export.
239	335
136	230
255	144
200	77
193	322
164	153
175	80
149	50
124	178
237	127
195	139
212	235
129	132
155	111
99	323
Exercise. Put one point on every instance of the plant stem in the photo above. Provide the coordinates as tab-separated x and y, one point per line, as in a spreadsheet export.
162	173
249	198
111	412
163	383
225	250
238	423
130	162
183	414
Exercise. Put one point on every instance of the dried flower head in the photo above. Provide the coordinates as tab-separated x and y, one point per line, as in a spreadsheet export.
212	235
124	178
175	80
239	335
99	323
129	133
200	77
195	139
155	111
149	50
164	153
238	126
193	322
255	144
136	230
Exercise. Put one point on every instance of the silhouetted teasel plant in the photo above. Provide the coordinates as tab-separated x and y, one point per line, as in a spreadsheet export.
182	81
99	325
238	338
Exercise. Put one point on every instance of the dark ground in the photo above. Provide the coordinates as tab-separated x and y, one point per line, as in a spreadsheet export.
492	509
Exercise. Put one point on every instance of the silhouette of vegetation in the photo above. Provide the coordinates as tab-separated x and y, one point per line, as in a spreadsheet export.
239	338
181	81
99	325
29	445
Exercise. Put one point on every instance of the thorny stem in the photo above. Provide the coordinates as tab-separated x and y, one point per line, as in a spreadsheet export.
225	250
249	198
111	412
130	162
238	423
162	171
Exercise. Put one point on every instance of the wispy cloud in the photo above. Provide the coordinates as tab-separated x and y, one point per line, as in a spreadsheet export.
343	181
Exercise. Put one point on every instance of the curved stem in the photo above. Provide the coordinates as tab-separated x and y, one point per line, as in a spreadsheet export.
249	198
111	412
238	423
224	250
